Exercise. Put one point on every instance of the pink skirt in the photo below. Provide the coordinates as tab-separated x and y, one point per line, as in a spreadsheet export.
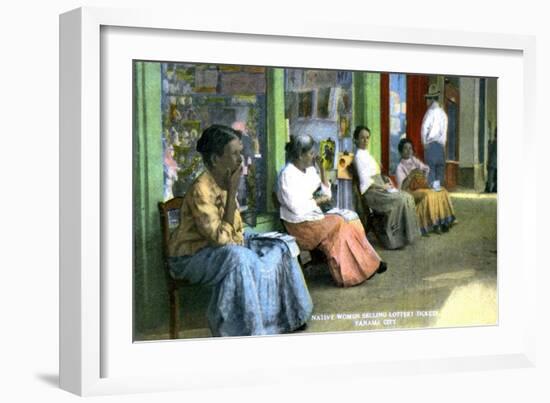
351	258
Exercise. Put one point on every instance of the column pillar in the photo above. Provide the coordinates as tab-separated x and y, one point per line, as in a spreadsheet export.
150	306
276	129
366	100
471	170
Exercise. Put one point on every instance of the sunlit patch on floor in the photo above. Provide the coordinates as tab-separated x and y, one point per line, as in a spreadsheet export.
472	304
454	275
467	195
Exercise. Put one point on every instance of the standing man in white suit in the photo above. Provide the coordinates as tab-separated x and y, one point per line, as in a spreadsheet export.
434	137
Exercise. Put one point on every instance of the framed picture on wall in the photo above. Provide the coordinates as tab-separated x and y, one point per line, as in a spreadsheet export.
138	93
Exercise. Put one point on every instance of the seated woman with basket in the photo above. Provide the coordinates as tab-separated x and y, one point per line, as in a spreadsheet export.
300	191
433	206
258	286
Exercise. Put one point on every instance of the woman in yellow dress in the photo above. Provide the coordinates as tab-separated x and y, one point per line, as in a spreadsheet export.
433	206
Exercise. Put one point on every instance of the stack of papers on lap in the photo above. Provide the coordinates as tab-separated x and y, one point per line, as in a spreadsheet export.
347	215
288	239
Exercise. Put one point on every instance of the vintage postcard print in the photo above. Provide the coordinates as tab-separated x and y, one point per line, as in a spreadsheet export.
273	200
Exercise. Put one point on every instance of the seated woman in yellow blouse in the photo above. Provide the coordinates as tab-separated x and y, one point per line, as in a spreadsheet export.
258	286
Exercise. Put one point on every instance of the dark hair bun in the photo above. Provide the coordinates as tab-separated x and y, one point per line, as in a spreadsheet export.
202	143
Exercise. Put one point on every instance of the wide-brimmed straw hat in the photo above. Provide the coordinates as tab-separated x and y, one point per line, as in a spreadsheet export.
433	91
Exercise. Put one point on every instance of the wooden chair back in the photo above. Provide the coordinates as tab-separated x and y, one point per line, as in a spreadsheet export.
365	212
169	219
170	211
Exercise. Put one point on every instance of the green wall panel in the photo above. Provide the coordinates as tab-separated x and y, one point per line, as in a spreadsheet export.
366	101
276	129
150	298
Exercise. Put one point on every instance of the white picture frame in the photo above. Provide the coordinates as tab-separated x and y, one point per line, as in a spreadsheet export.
94	361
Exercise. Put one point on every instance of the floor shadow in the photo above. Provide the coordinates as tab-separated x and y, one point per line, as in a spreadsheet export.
50	379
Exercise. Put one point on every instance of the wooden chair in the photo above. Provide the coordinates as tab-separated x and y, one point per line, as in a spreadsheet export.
368	216
169	220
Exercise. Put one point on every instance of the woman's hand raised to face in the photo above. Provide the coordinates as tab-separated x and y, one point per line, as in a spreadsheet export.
318	161
232	183
232	179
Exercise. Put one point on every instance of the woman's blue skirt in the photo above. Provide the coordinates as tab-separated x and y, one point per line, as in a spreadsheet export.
258	288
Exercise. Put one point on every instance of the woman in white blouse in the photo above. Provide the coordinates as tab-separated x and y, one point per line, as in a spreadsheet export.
400	225
350	257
